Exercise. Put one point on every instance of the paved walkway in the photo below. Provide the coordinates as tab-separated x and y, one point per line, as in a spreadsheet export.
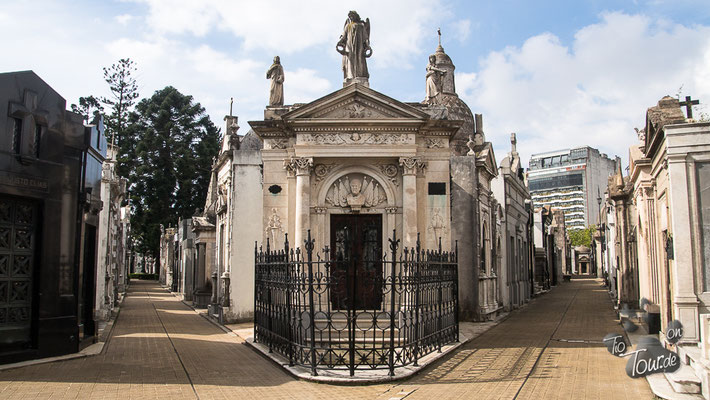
160	349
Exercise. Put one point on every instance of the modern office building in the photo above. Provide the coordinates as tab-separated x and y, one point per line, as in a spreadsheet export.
570	180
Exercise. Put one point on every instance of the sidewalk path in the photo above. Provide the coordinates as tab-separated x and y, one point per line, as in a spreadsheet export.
161	349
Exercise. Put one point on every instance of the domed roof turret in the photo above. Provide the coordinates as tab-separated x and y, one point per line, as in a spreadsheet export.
457	108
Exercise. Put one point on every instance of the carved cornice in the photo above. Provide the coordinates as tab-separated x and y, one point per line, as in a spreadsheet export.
411	165
352	129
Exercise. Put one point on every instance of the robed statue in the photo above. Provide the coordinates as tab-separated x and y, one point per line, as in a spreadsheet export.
434	77
276	74
354	45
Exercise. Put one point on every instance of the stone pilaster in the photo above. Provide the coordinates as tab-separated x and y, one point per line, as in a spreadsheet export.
302	167
685	301
410	167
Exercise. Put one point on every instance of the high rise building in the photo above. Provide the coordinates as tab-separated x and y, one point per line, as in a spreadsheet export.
570	180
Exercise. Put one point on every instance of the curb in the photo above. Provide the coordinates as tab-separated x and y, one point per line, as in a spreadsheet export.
91	350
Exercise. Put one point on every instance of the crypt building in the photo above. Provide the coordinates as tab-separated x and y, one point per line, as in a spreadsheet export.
350	170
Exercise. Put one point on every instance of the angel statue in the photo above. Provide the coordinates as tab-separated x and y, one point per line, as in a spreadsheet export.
354	45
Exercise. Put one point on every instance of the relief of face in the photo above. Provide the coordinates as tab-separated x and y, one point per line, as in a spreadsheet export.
355	186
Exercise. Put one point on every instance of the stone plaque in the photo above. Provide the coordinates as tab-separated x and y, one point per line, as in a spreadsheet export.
24	181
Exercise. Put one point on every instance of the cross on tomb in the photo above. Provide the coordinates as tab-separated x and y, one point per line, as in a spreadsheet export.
688	104
29	121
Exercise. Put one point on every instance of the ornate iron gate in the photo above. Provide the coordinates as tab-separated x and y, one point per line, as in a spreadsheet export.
299	315
18	225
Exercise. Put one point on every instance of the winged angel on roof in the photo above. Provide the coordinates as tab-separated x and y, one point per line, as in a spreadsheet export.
354	45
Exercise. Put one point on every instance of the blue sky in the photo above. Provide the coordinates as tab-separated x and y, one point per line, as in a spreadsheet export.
558	73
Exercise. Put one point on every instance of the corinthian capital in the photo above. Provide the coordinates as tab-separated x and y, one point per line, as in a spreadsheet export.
411	165
299	165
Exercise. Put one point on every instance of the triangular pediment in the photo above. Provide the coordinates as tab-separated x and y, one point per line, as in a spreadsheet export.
486	158
355	102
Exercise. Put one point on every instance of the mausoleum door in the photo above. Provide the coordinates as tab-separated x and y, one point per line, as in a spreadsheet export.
356	271
19	219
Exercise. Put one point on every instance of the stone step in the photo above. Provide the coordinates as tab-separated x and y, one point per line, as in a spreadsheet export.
684	380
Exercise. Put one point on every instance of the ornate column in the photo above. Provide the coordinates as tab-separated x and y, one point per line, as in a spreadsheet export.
302	167
410	167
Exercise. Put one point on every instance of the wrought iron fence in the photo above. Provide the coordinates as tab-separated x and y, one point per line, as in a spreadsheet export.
338	310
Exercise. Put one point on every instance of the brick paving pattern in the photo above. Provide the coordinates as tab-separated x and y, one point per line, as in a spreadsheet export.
161	349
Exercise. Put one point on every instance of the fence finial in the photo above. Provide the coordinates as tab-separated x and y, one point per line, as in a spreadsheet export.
394	242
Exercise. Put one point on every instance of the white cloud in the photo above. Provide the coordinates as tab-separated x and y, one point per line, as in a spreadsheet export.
303	85
593	93
461	29
123	19
291	27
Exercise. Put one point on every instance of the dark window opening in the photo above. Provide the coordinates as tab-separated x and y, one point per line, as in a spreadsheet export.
17	136
38	139
437	188
275	189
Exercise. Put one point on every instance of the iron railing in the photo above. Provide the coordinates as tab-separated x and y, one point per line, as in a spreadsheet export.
320	312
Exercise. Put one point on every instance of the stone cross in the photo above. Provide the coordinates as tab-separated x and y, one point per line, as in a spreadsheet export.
231	102
688	104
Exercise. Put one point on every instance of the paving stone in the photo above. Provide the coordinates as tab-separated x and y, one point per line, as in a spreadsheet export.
160	348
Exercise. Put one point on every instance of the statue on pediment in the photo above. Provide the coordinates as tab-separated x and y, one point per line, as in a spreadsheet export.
276	74
354	45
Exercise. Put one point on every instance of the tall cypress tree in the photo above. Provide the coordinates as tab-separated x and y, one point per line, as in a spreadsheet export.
175	144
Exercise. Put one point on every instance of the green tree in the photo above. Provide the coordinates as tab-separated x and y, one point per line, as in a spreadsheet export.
124	93
582	237
175	145
89	107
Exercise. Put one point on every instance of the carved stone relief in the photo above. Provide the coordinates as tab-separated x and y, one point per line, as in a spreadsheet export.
354	138
437	225
298	166
273	227
322	170
277	143
411	165
355	191
390	171
433	143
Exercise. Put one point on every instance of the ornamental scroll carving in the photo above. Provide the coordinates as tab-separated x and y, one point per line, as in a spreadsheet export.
354	138
298	165
411	165
355	191
321	170
390	171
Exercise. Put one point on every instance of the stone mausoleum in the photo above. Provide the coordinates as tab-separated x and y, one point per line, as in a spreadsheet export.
353	168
